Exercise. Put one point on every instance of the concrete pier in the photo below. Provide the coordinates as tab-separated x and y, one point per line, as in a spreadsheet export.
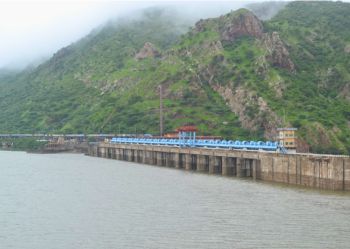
311	170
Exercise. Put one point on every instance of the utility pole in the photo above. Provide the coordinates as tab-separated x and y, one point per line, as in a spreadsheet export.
160	111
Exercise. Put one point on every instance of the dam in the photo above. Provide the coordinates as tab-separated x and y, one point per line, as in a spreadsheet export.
328	172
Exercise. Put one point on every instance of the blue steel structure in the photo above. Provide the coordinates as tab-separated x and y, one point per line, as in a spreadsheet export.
187	136
192	142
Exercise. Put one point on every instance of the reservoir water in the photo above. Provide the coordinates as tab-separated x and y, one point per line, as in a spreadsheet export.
73	201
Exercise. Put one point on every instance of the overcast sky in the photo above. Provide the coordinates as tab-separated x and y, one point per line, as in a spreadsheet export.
30	30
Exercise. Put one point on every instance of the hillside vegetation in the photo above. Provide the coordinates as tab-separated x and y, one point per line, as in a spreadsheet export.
234	76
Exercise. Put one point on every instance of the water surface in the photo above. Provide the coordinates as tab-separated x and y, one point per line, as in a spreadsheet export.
73	201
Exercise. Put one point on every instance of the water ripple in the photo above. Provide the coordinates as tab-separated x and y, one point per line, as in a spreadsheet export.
74	201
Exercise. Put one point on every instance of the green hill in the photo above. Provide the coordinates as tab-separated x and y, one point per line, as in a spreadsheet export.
234	76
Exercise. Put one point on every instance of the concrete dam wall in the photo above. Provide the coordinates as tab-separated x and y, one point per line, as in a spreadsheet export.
310	170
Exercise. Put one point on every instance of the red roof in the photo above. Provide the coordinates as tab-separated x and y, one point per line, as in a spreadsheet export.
187	128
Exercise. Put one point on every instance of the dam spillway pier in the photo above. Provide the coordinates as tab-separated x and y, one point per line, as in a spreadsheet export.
329	172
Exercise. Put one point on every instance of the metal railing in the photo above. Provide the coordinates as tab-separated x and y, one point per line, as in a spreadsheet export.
226	144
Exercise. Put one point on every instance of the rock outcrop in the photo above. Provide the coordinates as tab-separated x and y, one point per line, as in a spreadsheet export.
252	110
278	54
241	23
244	23
233	25
148	51
200	25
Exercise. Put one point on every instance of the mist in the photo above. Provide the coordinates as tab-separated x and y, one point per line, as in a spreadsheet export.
31	32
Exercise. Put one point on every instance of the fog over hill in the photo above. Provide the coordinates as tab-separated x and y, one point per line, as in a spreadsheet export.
30	32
